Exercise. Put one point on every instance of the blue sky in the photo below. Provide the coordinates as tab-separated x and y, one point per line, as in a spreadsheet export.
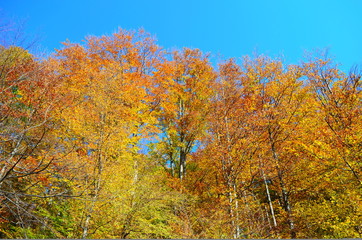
225	28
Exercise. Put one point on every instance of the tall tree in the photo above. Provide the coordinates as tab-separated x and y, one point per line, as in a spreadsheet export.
109	117
27	147
184	89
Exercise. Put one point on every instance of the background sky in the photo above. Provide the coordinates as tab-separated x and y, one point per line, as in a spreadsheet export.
224	28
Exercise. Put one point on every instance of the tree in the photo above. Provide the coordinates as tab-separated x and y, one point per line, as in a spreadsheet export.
332	148
108	82
27	162
184	88
339	99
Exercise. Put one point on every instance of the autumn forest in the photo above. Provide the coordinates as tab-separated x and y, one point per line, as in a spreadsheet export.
117	137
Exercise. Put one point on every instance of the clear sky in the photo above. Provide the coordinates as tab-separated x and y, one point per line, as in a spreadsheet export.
229	28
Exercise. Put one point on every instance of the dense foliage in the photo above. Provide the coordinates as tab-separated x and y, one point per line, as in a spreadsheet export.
118	138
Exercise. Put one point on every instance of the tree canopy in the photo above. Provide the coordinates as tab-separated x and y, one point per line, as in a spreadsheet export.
119	138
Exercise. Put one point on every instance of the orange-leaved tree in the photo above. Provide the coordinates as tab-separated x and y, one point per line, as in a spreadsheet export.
184	89
107	82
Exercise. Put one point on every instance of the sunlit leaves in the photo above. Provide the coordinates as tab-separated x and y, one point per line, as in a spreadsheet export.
116	138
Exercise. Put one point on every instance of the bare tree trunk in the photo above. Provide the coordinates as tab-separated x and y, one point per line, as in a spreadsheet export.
236	205
98	170
286	204
229	174
269	199
231	212
126	229
182	171
285	198
234	210
183	150
94	199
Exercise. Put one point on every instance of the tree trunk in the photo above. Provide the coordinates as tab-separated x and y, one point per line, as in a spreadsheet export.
234	210
286	204
285	195
90	210
182	170
269	200
236	205
98	170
